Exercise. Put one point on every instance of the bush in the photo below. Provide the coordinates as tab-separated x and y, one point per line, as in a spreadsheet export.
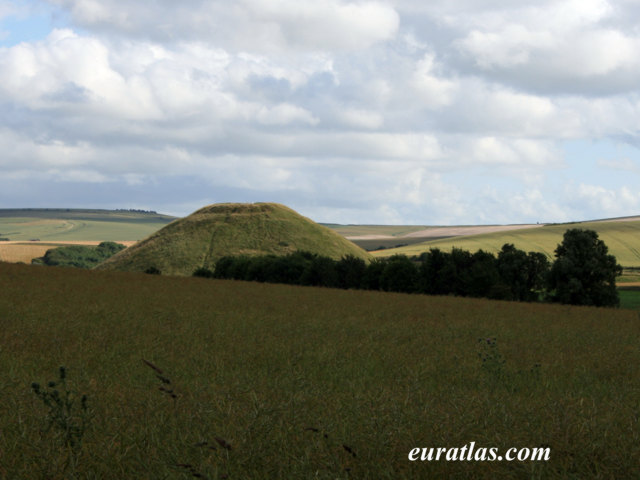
350	271
320	272
399	275
80	256
203	272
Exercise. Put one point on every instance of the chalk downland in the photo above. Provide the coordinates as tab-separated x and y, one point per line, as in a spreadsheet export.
214	231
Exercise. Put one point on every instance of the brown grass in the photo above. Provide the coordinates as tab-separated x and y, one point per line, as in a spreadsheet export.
20	251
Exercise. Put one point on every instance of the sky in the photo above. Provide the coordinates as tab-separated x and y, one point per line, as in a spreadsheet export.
368	112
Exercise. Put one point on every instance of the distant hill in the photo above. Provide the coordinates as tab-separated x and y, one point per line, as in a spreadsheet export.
70	224
214	231
621	235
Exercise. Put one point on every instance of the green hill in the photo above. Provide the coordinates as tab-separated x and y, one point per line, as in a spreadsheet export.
69	224
622	237
214	231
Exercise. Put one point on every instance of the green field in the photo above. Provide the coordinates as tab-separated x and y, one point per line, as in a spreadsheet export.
307	383
78	225
629	297
622	238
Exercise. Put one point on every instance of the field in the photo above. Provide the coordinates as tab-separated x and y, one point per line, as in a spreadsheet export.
621	237
281	382
78	225
31	232
630	297
378	237
24	252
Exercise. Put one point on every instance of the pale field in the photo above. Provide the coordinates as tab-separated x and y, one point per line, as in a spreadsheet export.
16	251
439	232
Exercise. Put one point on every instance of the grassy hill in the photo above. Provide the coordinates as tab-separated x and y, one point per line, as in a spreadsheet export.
200	239
290	377
622	238
60	225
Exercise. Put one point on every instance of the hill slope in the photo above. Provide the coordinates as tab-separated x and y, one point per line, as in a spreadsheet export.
214	231
622	236
68	224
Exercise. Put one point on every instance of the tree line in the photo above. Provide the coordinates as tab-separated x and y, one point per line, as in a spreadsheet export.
583	272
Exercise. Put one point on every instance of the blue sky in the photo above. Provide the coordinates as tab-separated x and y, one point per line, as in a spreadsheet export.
28	21
399	111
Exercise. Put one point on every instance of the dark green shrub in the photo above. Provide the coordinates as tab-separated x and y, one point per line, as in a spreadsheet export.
351	272
203	272
80	256
400	274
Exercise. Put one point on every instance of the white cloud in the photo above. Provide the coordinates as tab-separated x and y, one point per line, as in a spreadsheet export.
356	118
257	25
284	114
432	89
368	110
610	202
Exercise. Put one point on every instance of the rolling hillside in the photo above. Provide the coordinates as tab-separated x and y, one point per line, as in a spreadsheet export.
621	236
65	224
200	239
27	233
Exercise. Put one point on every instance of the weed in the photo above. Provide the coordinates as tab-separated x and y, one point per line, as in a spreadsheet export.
167	389
334	460
493	363
64	416
165	386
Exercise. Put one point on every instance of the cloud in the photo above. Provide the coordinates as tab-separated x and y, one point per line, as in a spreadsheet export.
255	25
554	47
364	111
610	202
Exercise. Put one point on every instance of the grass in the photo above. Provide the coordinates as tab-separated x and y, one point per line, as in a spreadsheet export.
629	297
199	240
78	225
26	251
18	252
620	237
287	377
392	230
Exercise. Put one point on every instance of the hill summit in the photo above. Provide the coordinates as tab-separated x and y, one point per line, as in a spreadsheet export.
218	230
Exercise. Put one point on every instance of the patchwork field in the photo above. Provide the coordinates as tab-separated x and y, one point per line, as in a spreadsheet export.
64	225
622	238
31	232
281	382
24	252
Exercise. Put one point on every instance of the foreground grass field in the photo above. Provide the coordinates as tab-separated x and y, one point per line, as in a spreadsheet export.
298	383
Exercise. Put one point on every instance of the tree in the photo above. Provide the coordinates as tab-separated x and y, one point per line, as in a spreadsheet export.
320	272
350	271
522	274
583	272
431	269
483	275
372	274
399	275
